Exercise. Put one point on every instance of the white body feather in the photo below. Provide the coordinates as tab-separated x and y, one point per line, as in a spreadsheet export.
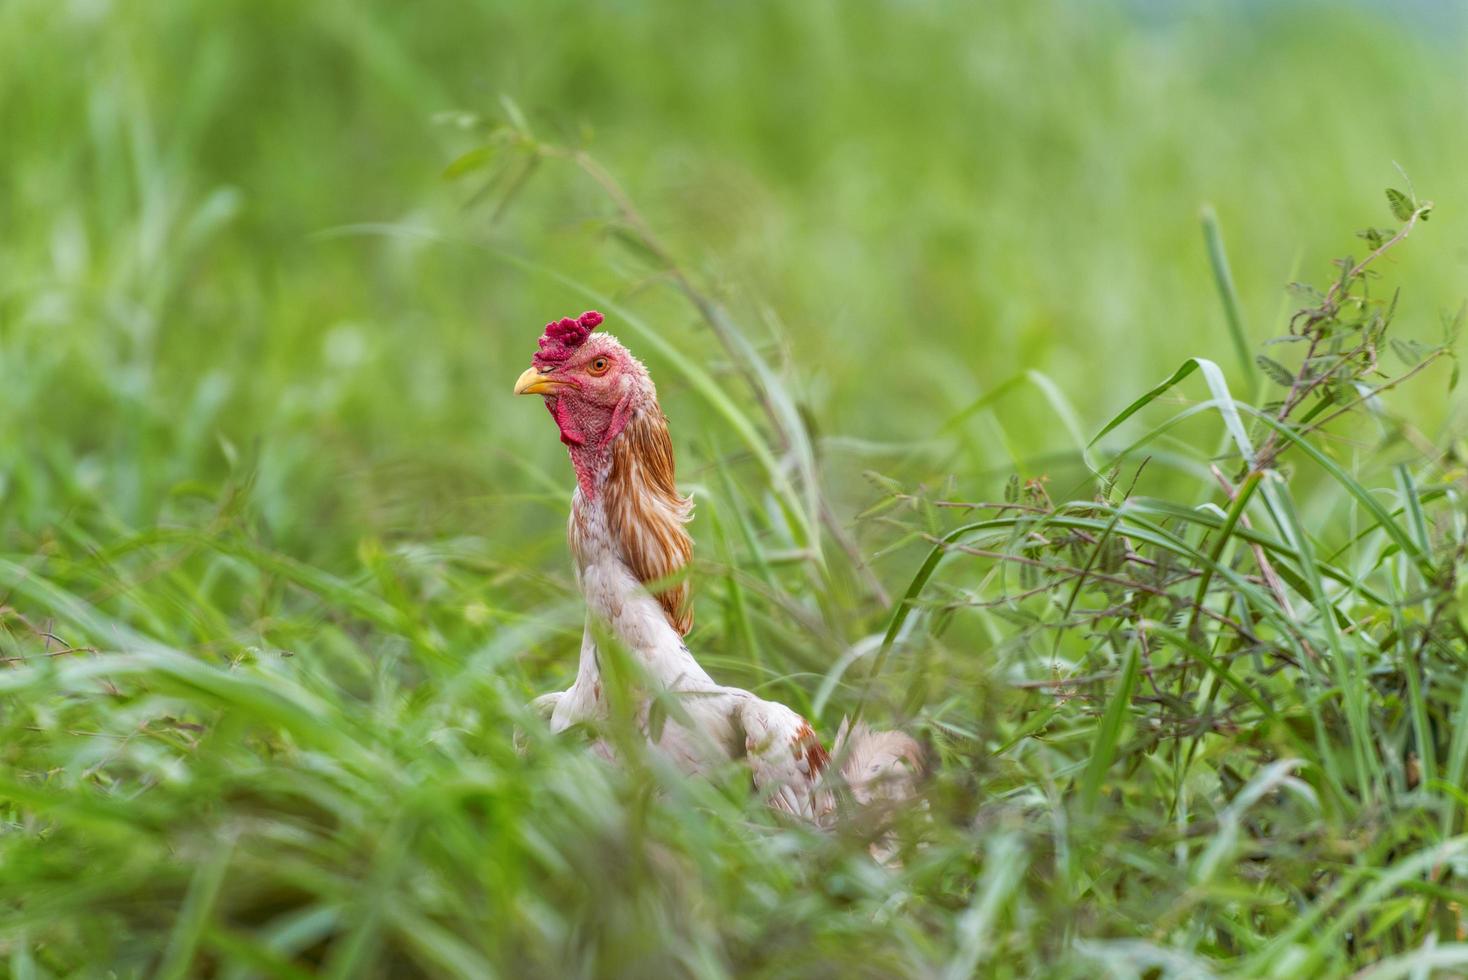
723	723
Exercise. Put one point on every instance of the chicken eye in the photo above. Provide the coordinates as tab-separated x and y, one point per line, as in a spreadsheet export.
599	366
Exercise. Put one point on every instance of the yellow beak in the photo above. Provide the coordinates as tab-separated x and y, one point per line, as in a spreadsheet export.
532	382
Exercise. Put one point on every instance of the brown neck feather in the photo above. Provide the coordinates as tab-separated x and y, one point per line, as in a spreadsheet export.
647	514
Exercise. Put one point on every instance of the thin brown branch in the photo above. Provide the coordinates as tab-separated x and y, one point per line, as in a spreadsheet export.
1381	250
1308	379
1440	352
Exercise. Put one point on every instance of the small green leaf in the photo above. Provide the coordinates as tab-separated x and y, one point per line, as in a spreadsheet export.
476	159
1400	204
1451	328
882	481
879	508
1409	351
657	717
1277	372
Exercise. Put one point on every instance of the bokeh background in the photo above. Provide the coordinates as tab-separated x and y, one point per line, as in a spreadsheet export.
916	200
257	338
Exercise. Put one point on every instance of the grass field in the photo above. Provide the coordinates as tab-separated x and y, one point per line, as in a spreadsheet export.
282	561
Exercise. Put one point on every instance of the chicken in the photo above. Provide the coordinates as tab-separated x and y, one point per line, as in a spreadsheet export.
631	549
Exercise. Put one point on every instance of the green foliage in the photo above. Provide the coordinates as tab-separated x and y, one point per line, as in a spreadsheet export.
1318	690
1401	205
282	565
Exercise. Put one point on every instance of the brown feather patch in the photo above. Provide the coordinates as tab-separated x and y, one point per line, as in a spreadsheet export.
807	747
647	513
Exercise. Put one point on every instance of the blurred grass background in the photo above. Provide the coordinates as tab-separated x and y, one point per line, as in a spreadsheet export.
216	397
926	198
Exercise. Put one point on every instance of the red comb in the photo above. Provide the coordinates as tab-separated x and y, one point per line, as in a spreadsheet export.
563	336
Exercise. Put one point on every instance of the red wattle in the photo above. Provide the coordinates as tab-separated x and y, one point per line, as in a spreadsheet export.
571	433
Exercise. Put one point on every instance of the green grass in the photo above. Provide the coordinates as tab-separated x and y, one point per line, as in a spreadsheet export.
954	374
